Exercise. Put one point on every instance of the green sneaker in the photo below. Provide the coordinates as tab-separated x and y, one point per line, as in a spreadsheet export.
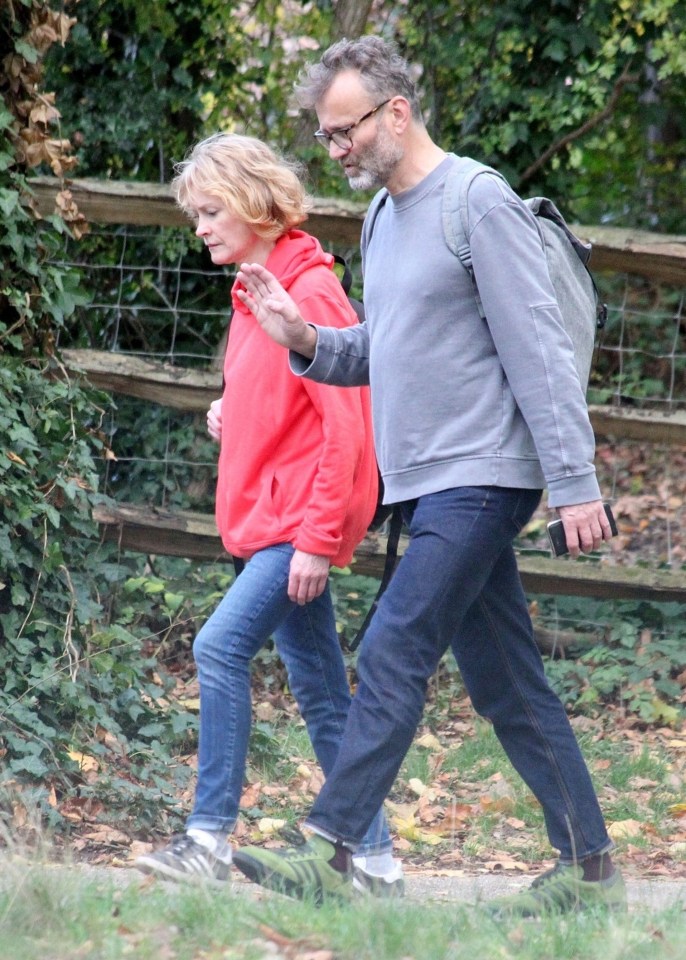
561	890
301	870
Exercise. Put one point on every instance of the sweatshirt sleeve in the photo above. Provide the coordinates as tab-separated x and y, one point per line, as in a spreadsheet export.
528	333
341	357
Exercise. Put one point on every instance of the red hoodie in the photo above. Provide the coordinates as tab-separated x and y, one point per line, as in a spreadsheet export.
296	462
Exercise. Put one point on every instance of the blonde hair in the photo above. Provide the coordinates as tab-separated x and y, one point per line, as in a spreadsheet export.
246	176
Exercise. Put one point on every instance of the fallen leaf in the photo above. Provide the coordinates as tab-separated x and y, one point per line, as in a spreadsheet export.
428	741
623	829
268	826
84	760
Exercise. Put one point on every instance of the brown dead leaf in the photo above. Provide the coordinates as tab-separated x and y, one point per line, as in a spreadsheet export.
504	861
503	804
429	741
624	829
515	823
251	795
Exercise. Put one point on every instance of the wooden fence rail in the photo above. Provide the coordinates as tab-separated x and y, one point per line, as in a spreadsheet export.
194	535
194	390
182	533
657	256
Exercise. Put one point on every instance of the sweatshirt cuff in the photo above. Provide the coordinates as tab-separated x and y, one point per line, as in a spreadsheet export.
567	491
320	366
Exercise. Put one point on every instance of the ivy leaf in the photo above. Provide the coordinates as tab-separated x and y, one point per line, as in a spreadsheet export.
25	50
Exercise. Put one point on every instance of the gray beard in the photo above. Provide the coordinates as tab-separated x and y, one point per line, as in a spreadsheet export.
377	164
367	180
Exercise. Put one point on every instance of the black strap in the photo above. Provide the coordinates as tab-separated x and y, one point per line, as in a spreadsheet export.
238	565
347	275
396	525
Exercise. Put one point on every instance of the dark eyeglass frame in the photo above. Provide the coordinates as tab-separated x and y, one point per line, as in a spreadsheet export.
341	137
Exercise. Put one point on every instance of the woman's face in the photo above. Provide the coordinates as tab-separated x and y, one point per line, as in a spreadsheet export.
228	239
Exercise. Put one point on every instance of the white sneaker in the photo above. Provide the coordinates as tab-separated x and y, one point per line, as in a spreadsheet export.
389	883
185	859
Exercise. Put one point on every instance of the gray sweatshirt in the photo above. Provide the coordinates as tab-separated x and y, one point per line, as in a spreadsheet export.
458	401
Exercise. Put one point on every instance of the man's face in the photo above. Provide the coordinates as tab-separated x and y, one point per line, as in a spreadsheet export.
372	151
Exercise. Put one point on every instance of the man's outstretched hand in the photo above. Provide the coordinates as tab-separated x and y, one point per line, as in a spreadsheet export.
274	310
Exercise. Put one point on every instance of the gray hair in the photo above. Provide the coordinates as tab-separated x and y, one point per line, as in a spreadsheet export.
383	72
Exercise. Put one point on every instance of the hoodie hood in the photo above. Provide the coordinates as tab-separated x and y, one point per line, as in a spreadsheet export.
294	253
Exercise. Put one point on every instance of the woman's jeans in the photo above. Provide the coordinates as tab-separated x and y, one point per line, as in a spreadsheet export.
255	608
457	585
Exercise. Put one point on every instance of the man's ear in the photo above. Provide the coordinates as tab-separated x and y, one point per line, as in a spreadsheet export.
401	113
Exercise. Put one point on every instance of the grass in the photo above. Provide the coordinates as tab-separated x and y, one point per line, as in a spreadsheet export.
456	773
63	913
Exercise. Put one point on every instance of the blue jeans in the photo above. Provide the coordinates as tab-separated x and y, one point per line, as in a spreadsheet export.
255	608
457	585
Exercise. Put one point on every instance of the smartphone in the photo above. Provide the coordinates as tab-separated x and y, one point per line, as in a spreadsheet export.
558	540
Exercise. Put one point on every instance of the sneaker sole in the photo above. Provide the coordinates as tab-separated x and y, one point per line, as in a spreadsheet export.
381	890
166	872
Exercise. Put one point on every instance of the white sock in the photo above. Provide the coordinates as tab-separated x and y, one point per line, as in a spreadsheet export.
213	840
375	864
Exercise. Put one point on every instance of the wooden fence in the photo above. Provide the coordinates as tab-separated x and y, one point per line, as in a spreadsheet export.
193	535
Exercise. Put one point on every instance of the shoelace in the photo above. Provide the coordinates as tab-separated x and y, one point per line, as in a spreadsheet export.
551	874
182	842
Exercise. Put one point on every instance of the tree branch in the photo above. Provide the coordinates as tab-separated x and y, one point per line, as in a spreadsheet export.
592	122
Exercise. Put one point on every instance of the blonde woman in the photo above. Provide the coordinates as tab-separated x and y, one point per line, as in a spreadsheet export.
296	488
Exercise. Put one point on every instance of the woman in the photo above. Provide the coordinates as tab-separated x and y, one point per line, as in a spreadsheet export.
296	489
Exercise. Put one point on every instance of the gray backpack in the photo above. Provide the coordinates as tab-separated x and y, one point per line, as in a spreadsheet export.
567	256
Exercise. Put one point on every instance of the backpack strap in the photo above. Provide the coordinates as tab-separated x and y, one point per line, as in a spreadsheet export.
373	211
395	527
455	213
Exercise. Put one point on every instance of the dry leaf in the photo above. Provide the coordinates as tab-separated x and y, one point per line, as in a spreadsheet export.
624	829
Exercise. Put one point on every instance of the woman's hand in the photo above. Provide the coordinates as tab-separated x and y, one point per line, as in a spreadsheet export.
214	420
308	575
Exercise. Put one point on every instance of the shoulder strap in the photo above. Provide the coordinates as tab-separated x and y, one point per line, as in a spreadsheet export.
394	530
373	211
455	212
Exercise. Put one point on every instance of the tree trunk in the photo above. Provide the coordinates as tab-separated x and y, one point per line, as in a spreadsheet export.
350	19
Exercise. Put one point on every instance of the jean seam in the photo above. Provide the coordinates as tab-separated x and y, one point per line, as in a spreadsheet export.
570	812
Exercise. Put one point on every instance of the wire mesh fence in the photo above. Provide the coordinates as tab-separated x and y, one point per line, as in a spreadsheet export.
156	296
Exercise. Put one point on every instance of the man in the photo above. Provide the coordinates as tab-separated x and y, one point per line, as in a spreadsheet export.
471	420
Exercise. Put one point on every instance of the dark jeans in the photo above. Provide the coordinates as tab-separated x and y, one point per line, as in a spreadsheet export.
458	586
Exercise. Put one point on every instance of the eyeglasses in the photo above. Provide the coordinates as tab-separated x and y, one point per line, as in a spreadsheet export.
341	137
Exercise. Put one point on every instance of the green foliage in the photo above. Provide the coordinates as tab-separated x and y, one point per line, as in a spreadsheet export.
636	665
72	680
74	683
131	82
569	99
139	83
